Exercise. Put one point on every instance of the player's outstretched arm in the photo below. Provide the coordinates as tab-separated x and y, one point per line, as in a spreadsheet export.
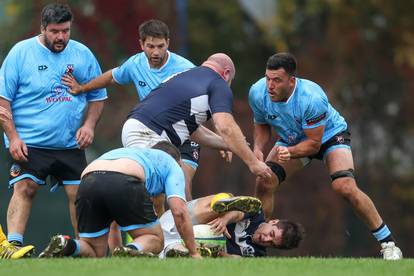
99	82
234	139
183	223
17	147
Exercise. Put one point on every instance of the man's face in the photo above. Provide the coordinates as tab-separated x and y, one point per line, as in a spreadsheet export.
56	36
268	234
156	50
279	84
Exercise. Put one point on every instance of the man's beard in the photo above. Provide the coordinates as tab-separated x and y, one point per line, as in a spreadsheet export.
50	45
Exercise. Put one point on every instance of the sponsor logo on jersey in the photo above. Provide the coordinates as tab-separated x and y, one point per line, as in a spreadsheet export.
340	139
58	94
314	121
42	67
195	154
141	83
15	170
271	116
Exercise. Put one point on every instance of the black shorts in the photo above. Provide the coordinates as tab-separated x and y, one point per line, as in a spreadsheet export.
105	196
342	139
190	153
65	166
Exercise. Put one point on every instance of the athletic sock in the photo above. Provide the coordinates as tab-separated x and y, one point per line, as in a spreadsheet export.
15	239
383	234
134	245
70	248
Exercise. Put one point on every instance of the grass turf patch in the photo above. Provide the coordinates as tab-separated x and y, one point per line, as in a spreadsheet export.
208	267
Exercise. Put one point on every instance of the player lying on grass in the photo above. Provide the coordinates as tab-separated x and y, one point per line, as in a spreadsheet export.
241	221
119	186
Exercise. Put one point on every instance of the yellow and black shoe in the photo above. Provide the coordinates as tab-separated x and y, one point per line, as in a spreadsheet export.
245	204
11	251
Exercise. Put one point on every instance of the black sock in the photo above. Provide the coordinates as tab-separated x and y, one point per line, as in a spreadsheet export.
16	243
70	248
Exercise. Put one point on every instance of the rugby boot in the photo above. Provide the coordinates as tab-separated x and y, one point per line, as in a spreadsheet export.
125	251
56	247
176	251
245	204
390	251
11	251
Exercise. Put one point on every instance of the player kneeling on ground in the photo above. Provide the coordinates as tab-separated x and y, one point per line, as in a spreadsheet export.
119	186
241	221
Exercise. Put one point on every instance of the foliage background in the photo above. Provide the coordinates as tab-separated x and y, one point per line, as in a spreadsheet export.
360	52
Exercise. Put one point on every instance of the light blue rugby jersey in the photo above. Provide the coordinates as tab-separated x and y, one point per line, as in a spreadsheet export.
44	113
306	108
137	69
162	172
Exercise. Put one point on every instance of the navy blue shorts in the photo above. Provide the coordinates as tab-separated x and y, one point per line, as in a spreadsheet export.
65	166
190	153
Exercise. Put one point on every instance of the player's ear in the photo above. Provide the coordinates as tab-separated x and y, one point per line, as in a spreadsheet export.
167	42
141	43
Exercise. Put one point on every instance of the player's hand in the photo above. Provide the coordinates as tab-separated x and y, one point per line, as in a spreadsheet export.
74	87
218	225
5	115
259	154
18	150
282	154
260	169
84	137
226	155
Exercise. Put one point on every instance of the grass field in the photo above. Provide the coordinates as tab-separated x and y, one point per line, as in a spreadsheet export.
208	267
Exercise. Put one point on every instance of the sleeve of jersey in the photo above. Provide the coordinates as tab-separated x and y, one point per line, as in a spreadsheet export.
175	182
9	75
94	70
220	97
315	112
121	73
256	105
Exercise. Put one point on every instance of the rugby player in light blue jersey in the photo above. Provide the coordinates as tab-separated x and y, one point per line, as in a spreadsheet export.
146	70
120	186
50	128
308	128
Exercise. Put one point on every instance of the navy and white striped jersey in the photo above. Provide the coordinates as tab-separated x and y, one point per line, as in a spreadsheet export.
178	106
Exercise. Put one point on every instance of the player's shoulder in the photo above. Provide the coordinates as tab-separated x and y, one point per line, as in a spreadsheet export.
79	47
258	89
308	86
177	59
26	44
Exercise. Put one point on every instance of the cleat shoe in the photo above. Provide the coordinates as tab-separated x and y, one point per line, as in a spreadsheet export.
177	253
55	248
204	251
124	251
390	251
245	204
10	251
215	249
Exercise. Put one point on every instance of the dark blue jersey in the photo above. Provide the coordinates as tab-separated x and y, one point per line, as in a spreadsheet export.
178	106
241	237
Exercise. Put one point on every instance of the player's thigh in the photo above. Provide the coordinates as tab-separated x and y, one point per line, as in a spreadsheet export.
94	246
291	166
339	159
152	229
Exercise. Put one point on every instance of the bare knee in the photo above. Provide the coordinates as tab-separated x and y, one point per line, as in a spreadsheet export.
71	191
346	187
26	189
266	185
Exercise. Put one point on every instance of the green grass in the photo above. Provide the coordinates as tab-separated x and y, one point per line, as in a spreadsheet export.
208	267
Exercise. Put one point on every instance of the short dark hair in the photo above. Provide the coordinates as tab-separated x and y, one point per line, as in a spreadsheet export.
154	28
55	13
286	61
168	148
292	234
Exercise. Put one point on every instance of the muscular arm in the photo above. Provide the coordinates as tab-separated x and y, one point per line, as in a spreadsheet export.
99	82
183	223
85	134
235	141
261	137
309	146
17	147
206	137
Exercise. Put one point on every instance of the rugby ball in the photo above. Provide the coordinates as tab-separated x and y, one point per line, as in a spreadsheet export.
204	234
